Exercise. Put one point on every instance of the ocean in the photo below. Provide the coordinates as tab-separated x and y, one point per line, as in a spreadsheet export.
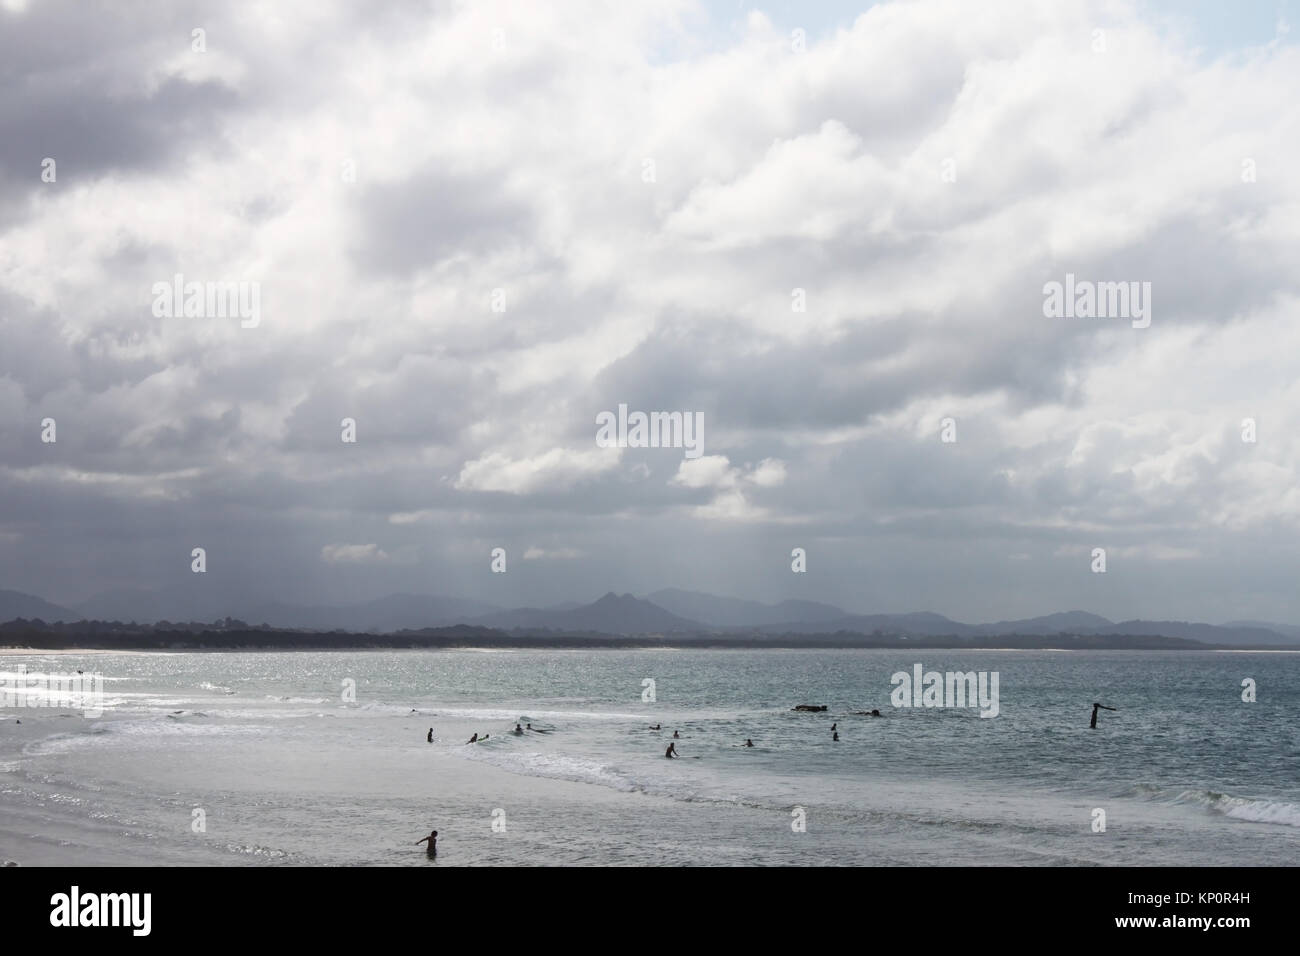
321	758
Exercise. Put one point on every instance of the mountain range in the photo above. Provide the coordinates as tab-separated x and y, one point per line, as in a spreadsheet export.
671	610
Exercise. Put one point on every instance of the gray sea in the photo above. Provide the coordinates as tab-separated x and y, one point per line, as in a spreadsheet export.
322	759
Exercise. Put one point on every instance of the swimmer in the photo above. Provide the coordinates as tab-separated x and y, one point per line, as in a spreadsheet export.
676	735
748	742
671	751
432	848
835	736
473	740
518	731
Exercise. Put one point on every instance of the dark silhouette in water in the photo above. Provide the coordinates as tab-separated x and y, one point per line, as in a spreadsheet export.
656	727
810	707
518	730
432	848
748	742
671	751
835	726
676	735
430	735
835	736
1093	725
473	740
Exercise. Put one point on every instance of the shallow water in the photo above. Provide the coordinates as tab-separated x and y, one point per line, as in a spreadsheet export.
286	770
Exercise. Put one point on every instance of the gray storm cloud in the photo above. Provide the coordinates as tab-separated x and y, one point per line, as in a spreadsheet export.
476	226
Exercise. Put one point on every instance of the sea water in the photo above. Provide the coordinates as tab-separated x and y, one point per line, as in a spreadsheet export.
321	758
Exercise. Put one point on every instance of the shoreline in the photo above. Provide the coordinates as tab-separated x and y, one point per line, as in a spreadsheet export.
14	651
61	651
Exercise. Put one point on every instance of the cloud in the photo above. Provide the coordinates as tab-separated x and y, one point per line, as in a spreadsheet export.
768	473
352	554
707	471
716	471
536	554
729	506
918	172
556	469
811	187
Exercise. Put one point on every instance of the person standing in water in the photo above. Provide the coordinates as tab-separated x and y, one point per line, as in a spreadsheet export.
518	730
671	752
432	848
834	727
430	735
1093	725
834	736
676	735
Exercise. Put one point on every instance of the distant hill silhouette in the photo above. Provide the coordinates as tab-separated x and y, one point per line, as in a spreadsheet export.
1209	633
733	612
921	623
611	614
14	604
668	611
1068	622
1287	630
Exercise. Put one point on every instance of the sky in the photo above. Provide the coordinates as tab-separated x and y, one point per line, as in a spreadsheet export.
825	230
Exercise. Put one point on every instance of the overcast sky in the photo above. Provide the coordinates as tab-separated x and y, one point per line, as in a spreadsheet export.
647	184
